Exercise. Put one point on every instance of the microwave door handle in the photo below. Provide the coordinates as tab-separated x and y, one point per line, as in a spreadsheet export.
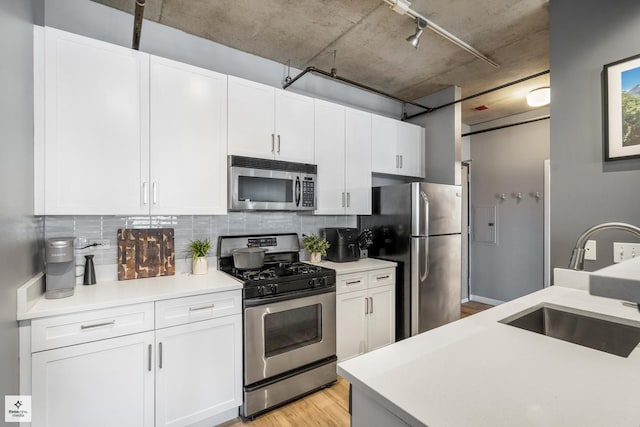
297	191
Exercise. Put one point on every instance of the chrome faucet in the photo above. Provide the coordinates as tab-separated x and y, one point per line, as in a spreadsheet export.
577	256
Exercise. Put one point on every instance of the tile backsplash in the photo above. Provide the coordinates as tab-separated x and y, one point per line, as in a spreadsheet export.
187	228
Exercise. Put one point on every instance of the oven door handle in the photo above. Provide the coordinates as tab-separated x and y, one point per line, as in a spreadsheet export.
297	191
255	302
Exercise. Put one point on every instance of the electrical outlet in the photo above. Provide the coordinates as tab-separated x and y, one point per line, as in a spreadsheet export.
625	251
102	244
590	250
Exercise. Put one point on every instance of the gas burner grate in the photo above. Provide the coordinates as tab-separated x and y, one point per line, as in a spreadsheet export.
302	268
269	273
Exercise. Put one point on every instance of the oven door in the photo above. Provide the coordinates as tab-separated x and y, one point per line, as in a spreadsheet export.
263	189
287	334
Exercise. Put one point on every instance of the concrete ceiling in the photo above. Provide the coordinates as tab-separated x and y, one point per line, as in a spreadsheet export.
369	40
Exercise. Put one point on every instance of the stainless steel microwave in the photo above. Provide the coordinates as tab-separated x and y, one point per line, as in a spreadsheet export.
264	184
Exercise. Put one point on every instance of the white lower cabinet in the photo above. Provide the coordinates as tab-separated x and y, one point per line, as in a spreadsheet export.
365	312
103	383
184	374
197	370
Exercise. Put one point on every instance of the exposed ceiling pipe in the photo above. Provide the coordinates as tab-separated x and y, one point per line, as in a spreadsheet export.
403	7
137	23
334	75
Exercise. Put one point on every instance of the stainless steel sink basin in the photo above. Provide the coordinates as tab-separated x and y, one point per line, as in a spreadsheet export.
587	329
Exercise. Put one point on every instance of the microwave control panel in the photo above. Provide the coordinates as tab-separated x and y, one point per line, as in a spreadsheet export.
308	193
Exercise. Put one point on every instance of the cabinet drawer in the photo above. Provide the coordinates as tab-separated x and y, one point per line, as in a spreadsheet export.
385	276
60	331
351	282
179	311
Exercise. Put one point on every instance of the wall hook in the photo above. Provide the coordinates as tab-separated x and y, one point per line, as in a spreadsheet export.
502	196
517	195
536	195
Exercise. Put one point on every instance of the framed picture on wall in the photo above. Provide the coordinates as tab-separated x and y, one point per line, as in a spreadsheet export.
622	108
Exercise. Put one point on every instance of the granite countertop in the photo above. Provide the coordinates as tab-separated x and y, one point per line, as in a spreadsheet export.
479	372
117	293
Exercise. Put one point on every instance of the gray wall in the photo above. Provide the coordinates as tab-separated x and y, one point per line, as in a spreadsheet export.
442	136
584	189
509	160
104	23
19	230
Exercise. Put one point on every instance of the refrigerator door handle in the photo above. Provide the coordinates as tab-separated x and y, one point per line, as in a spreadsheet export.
419	273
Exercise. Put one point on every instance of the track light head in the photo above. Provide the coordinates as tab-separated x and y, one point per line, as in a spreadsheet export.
414	39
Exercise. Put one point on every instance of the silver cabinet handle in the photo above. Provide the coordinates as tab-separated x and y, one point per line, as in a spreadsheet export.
401	160
343	199
149	361
273	143
145	193
97	325
371	310
348	199
382	277
397	161
353	282
154	188
366	306
202	308
278	143
160	355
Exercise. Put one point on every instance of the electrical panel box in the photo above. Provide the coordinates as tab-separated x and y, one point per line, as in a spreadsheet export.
485	224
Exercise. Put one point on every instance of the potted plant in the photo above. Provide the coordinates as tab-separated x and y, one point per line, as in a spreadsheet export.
317	246
199	250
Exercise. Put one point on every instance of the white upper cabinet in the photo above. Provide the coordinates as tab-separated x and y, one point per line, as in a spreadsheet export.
188	132
358	162
398	147
96	147
127	133
343	156
269	123
294	127
330	158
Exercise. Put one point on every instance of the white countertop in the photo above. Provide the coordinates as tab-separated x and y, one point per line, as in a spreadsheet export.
478	372
117	293
363	264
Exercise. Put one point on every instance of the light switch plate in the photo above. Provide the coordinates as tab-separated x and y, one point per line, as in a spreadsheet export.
590	250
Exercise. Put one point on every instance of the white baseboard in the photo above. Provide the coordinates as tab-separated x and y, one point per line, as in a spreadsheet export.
484	300
464	300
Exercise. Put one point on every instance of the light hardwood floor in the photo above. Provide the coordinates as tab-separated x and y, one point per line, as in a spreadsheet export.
328	407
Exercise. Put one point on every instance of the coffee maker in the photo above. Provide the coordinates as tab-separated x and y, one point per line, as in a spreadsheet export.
60	273
343	244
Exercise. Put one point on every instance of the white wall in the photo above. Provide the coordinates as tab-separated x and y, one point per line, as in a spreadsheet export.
20	232
585	190
509	161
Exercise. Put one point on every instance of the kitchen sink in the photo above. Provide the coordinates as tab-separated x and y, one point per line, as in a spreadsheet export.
583	328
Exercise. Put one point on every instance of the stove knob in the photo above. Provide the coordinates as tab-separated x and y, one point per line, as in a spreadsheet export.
313	282
273	288
261	290
322	281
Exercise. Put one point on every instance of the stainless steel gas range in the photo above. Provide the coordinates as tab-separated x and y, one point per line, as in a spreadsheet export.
289	322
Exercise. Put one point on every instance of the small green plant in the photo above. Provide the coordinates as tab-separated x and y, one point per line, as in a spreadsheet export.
314	243
199	248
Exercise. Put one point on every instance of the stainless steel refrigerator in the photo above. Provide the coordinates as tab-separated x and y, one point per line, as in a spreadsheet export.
418	225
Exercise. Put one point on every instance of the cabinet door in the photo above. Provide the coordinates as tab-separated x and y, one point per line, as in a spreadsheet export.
358	162
188	139
329	155
96	127
384	136
104	383
198	370
351	325
294	127
251	119
382	317
410	149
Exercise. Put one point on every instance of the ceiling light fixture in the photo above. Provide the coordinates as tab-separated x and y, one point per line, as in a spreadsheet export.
414	39
539	97
403	7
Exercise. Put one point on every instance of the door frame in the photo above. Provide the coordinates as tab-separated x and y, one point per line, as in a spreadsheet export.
465	166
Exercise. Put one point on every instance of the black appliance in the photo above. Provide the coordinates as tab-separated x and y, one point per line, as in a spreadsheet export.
289	322
344	244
